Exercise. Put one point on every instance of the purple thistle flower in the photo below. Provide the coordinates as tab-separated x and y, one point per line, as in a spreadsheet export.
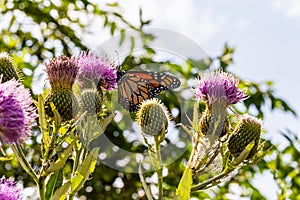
97	70
9	189
62	72
216	85
16	112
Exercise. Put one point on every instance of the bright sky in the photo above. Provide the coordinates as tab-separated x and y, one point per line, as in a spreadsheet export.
264	33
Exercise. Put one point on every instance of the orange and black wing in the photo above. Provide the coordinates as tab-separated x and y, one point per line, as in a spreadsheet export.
136	86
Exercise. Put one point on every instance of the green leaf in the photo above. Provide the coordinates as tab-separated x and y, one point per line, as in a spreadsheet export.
227	58
5	159
43	124
100	128
132	41
55	181
113	27
62	158
84	171
115	4
244	153
195	116
57	117
202	64
93	128
61	193
185	185
122	36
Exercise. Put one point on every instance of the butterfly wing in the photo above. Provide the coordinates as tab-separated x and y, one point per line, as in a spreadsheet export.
136	86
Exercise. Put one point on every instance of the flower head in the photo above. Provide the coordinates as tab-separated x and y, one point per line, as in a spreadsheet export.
97	70
153	117
62	72
9	189
216	85
16	112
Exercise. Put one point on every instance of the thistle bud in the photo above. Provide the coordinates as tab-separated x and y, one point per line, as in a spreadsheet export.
91	101
62	72
247	130
153	117
214	122
8	70
65	102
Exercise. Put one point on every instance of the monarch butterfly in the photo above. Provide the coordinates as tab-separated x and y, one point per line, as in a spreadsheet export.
136	86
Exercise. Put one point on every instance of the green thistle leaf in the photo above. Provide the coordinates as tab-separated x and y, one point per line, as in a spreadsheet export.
185	185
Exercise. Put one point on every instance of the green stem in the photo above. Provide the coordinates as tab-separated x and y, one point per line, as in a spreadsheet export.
42	177
159	167
42	188
160	186
23	162
40	181
144	184
52	142
75	167
213	181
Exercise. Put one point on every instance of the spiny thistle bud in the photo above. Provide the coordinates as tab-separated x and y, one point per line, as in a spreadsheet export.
214	121
91	101
8	68
153	117
247	130
65	103
62	72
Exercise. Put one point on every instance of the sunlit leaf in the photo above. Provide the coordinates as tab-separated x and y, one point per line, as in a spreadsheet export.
86	168
5	159
61	192
62	158
55	181
185	185
43	124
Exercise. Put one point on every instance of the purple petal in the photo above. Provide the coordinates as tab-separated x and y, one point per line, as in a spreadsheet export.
216	85
17	113
97	70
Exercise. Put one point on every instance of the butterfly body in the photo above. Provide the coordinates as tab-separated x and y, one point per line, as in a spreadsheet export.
136	86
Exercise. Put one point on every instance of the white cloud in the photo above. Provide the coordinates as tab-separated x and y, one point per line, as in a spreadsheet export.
290	8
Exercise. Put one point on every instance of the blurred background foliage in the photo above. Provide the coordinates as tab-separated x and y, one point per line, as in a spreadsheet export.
32	32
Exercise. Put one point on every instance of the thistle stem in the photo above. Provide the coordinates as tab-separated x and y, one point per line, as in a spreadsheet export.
213	181
143	181
42	188
23	162
42	177
159	167
75	166
40	181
